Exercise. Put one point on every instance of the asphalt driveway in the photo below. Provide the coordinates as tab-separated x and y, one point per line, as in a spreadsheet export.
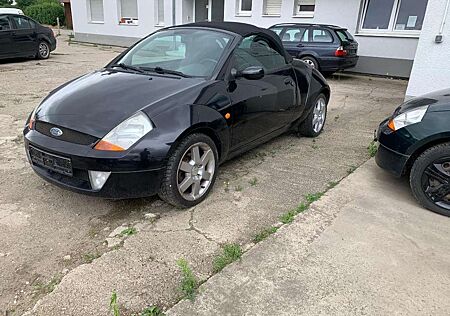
58	248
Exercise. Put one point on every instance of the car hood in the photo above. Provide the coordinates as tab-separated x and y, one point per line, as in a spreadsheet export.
437	101
97	102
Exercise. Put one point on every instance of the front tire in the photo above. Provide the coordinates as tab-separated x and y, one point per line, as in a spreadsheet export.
190	172
43	50
315	121
430	179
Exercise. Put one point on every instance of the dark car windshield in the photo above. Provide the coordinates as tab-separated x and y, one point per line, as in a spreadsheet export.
345	36
192	52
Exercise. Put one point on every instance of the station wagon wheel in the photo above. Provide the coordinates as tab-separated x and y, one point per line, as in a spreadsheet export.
311	61
430	179
43	50
314	123
190	172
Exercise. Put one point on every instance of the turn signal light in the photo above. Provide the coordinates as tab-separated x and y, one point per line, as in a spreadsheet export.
391	125
104	145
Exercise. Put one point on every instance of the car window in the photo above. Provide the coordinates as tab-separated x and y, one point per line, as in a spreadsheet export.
21	23
321	36
4	23
277	30
294	34
257	51
345	36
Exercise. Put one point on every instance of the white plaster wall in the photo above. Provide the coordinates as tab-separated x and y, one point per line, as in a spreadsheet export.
431	69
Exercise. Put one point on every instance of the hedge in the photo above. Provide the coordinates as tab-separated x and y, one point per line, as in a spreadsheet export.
46	12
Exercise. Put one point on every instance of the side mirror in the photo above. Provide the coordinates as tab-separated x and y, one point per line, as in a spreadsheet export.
253	73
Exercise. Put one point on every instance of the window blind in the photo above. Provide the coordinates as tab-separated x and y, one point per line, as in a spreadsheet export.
96	8
272	7
129	8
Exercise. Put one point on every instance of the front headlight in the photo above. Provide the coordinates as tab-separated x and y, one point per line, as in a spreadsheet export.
126	134
409	117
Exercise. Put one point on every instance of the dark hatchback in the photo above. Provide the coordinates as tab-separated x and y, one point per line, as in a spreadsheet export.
21	36
415	142
328	48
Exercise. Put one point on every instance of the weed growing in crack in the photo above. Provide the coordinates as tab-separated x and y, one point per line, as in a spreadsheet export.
351	169
231	253
189	282
253	181
264	234
46	288
372	149
310	198
152	311
113	305
289	216
332	184
238	188
89	257
128	232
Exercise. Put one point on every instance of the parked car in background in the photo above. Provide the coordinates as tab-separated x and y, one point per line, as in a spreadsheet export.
21	36
415	141
162	116
327	48
10	11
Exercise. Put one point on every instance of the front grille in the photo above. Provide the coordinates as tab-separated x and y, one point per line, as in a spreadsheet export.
68	135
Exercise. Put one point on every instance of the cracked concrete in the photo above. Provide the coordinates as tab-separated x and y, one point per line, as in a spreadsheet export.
143	270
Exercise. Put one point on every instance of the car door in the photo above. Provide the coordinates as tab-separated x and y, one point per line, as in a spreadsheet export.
24	35
265	105
6	44
322	42
294	39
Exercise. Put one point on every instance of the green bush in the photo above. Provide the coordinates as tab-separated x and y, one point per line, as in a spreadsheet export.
46	12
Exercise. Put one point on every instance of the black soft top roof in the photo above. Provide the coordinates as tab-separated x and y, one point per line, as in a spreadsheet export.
244	30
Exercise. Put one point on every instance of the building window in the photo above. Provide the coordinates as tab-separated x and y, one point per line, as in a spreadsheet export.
128	12
272	7
393	16
95	10
304	8
159	12
244	7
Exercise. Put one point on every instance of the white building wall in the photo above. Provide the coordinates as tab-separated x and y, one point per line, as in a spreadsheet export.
431	70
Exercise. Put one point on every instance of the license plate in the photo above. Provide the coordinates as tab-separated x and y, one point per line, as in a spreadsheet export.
51	162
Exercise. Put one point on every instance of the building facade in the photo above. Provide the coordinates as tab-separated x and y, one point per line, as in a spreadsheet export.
388	31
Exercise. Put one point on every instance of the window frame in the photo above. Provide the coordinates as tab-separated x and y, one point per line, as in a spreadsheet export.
390	31
89	12
132	21
9	21
303	14
158	3
15	26
240	12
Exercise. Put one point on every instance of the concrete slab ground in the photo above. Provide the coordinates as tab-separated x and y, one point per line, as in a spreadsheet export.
365	248
54	243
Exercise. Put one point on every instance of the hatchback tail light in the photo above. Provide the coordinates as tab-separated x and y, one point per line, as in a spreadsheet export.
341	52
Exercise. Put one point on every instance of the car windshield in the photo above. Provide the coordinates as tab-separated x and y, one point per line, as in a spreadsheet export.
188	52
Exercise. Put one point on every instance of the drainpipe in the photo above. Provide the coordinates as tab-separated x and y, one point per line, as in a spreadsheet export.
439	37
174	13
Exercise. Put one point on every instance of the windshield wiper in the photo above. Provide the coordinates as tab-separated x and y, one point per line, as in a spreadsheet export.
128	67
160	70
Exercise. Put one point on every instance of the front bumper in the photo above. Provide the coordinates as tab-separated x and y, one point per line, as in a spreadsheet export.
134	180
387	158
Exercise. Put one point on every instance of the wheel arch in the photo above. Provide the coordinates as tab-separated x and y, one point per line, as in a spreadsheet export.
421	149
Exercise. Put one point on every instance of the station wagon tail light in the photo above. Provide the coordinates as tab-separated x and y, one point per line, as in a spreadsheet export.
407	118
341	52
126	134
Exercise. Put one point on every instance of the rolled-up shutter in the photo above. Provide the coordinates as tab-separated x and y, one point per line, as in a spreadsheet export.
97	10
272	7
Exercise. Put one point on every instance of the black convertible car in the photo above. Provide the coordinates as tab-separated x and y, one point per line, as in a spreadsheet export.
415	141
162	116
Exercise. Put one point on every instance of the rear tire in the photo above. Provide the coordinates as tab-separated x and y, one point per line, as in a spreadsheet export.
43	50
190	172
311	61
421	181
314	123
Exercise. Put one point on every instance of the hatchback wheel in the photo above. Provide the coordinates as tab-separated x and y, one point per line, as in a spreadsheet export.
315	121
311	61
190	172
43	51
430	179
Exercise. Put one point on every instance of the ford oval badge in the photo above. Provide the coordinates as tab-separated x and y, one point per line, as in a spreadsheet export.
56	131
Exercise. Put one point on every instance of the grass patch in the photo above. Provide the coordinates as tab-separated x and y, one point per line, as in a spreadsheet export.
128	231
288	217
89	257
231	253
311	198
152	311
189	282
46	288
238	188
264	234
253	182
372	149
113	305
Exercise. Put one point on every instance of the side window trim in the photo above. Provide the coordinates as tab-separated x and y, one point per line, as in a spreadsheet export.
9	21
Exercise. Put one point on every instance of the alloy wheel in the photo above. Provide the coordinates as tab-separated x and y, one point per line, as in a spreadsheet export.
319	114
310	62
436	183
195	171
43	50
